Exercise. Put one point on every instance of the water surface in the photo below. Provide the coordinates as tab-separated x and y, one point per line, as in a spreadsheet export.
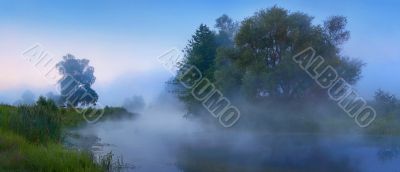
156	141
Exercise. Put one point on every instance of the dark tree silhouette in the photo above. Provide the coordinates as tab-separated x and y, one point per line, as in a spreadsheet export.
75	85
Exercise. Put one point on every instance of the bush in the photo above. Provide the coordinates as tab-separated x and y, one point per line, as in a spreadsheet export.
116	113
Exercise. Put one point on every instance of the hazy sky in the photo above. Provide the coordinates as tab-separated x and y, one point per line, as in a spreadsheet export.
122	39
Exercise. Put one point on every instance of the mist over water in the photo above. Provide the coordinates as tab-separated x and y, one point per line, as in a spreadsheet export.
150	140
161	139
307	86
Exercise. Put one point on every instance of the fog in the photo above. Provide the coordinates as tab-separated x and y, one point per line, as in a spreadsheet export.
247	50
161	139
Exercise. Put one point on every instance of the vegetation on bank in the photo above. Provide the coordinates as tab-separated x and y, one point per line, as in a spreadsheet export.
19	154
387	121
252	60
71	118
31	138
251	63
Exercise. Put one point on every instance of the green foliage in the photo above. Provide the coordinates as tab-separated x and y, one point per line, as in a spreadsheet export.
387	107
265	45
201	50
116	113
30	139
6	111
43	122
40	123
71	118
254	59
17	154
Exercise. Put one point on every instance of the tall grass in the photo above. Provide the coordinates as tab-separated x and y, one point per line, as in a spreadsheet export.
18	154
40	123
30	139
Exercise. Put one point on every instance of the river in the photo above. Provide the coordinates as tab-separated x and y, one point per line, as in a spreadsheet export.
157	141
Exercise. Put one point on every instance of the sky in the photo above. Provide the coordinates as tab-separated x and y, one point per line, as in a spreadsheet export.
123	39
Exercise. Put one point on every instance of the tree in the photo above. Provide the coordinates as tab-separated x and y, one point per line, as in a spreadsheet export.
56	98
386	103
27	98
46	103
75	85
227	29
254	59
261	60
200	51
134	104
335	28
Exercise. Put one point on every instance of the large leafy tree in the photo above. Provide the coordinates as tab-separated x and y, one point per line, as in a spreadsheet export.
254	58
260	64
75	85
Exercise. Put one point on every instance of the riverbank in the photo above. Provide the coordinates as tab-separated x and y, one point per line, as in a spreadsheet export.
32	138
18	154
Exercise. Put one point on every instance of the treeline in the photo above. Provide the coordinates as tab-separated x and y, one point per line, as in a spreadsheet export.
387	107
253	58
251	63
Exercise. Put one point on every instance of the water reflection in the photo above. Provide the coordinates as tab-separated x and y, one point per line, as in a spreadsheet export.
172	143
389	148
272	153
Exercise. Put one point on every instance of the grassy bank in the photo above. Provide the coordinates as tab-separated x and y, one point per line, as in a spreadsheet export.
31	138
18	154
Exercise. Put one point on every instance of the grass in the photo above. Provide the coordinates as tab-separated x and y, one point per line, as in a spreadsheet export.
31	137
71	118
18	154
38	124
46	117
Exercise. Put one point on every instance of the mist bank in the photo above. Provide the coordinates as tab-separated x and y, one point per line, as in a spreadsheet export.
309	138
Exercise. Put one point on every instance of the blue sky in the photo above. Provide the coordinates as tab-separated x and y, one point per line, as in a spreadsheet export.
123	39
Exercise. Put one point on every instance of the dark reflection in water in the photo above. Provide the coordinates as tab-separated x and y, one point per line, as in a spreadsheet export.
389	148
179	145
268	153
